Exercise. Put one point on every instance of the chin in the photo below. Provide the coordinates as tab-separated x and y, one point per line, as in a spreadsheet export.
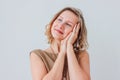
57	36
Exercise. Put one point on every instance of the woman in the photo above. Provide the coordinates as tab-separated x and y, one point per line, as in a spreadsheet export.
66	58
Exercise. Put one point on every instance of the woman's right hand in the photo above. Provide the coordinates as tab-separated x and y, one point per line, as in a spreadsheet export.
63	46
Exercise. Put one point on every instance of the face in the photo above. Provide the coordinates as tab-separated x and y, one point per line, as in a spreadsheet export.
63	25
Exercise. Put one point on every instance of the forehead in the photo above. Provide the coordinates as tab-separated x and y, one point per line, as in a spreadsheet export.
68	15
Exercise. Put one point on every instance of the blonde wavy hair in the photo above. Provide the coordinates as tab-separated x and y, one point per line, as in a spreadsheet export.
81	42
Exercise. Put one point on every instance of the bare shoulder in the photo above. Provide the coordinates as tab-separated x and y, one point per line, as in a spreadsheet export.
36	54
83	58
84	62
35	51
37	66
84	54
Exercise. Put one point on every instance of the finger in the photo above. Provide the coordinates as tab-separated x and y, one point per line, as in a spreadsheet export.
74	29
78	28
68	36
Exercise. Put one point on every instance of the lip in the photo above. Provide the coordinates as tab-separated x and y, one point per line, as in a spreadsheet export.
59	31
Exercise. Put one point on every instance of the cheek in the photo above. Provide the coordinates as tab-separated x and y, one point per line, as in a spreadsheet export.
54	23
67	32
52	29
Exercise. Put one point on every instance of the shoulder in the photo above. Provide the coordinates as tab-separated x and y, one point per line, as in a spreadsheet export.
36	53
83	55
84	62
39	53
37	64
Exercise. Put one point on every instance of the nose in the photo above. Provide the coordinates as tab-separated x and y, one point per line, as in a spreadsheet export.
61	26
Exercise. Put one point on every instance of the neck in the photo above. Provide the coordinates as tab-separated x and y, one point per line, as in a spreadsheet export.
55	45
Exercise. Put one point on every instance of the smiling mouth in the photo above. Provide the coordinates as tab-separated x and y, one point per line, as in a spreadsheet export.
59	31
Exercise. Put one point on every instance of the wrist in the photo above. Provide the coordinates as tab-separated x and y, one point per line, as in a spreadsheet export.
62	53
69	47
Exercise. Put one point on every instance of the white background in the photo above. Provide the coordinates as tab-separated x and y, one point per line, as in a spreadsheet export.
22	27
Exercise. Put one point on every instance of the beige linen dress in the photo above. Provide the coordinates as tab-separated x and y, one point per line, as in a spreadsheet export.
49	59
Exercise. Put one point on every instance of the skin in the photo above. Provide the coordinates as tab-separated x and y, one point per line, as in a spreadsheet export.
64	31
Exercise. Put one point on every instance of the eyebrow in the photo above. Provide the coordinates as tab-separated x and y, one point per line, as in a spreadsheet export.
60	16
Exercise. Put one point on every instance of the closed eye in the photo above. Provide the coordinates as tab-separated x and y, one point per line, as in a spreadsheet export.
59	19
68	24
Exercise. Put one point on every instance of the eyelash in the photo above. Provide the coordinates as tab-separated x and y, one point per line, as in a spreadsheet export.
59	19
68	24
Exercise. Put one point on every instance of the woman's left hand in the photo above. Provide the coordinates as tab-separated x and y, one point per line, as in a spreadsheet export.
74	34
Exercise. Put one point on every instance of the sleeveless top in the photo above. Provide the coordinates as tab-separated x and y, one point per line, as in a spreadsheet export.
49	59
